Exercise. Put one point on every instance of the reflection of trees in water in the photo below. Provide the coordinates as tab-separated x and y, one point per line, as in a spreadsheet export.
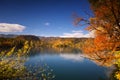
103	54
59	50
105	59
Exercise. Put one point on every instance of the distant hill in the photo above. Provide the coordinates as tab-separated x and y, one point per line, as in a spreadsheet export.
9	41
8	35
33	37
28	37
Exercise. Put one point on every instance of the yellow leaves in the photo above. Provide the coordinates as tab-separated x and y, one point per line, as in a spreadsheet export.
10	52
9	68
62	43
26	48
26	45
117	62
117	75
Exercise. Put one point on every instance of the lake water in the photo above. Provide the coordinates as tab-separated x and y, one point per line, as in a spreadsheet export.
53	64
66	65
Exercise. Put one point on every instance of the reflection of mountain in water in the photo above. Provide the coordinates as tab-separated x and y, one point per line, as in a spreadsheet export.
54	51
60	50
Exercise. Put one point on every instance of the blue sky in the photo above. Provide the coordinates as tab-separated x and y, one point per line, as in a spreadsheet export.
42	17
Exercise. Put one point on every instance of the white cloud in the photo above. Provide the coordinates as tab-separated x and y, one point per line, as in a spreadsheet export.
78	34
47	24
7	27
74	57
79	31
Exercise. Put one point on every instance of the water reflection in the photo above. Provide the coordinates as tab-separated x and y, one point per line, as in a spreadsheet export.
54	64
74	57
59	50
70	69
106	60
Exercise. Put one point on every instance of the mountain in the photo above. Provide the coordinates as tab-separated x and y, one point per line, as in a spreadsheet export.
8	35
28	37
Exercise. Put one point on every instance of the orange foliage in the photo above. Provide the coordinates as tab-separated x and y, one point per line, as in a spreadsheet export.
106	27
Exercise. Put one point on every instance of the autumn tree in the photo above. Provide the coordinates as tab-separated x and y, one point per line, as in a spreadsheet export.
105	49
105	23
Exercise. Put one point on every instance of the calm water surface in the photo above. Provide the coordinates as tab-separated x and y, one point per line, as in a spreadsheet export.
68	65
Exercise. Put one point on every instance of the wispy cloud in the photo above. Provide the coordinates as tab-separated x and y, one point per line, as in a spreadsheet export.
7	27
78	34
47	24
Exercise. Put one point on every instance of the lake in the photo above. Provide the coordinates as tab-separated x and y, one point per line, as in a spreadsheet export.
54	64
66	65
